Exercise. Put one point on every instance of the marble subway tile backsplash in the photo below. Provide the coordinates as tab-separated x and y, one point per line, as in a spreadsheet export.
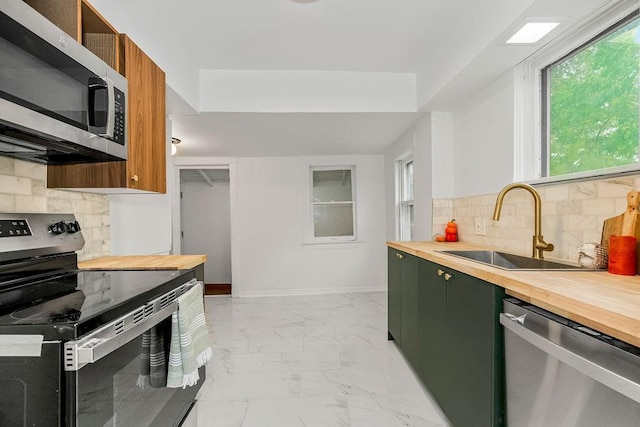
572	213
23	188
442	213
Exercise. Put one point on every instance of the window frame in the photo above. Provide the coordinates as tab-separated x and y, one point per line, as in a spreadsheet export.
310	235
404	203
531	114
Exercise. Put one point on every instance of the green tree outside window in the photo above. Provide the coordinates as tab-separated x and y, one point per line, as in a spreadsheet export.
593	105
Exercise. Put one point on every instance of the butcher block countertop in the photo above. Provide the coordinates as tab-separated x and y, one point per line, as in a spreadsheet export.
606	302
143	262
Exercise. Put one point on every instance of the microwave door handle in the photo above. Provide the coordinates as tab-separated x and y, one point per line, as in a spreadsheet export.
95	84
108	127
111	112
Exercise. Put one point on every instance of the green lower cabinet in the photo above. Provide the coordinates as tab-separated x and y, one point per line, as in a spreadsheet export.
474	347
410	308
446	325
432	297
403	302
394	295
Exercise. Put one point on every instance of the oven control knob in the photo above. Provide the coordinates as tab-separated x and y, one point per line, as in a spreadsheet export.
73	227
57	228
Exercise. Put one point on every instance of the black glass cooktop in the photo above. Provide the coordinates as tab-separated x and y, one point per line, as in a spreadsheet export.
74	303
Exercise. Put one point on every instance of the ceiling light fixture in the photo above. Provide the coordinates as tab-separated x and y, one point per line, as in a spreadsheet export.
174	143
532	32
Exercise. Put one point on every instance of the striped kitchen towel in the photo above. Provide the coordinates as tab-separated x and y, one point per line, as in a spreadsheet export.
153	358
189	348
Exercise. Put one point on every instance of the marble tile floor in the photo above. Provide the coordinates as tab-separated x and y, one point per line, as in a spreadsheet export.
317	360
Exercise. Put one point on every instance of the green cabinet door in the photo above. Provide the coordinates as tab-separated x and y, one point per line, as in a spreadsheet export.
432	294
394	295
474	352
410	308
446	325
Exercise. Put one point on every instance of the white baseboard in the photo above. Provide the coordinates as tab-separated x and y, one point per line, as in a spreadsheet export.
314	291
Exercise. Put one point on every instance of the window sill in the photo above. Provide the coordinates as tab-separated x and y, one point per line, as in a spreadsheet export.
338	244
587	176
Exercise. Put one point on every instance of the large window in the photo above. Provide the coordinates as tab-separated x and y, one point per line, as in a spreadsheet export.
590	109
333	203
405	198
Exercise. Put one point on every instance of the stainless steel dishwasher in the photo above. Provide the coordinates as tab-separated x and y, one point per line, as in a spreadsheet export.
562	374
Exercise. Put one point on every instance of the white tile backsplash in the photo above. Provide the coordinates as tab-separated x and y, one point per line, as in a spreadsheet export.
15	184
31	203
33	171
572	213
23	188
7	203
7	166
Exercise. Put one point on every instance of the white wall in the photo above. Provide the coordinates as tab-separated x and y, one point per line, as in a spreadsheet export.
483	131
417	140
141	224
306	91
206	223
442	158
271	214
487	21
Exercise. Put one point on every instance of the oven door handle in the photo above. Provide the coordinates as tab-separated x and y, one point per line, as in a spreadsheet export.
114	335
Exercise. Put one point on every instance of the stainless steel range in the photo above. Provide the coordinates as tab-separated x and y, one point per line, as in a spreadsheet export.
70	341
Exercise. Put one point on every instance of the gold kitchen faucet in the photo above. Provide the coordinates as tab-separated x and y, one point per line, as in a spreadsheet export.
539	245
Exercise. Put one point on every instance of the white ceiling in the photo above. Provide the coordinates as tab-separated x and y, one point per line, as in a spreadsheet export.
438	40
344	35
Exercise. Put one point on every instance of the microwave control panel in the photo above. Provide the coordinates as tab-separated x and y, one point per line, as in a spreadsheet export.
120	117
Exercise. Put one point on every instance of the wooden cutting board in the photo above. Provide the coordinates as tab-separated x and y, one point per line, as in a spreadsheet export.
626	224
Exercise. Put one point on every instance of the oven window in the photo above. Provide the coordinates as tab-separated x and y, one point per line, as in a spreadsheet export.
108	393
31	388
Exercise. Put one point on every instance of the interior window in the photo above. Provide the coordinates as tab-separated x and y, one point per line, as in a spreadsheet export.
333	203
405	203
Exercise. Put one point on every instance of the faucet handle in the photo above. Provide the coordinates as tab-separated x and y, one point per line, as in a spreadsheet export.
539	245
542	245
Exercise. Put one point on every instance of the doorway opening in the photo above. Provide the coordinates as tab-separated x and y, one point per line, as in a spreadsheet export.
205	224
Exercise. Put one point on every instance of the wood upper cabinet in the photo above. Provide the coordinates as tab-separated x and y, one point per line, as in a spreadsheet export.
145	168
146	165
82	22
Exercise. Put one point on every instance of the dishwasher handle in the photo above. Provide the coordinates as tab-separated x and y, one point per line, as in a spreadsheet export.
518	319
609	378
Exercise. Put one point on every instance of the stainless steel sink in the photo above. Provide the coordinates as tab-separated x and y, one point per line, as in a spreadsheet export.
507	261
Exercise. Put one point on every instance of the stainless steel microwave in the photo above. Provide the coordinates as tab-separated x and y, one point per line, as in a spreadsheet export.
59	103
